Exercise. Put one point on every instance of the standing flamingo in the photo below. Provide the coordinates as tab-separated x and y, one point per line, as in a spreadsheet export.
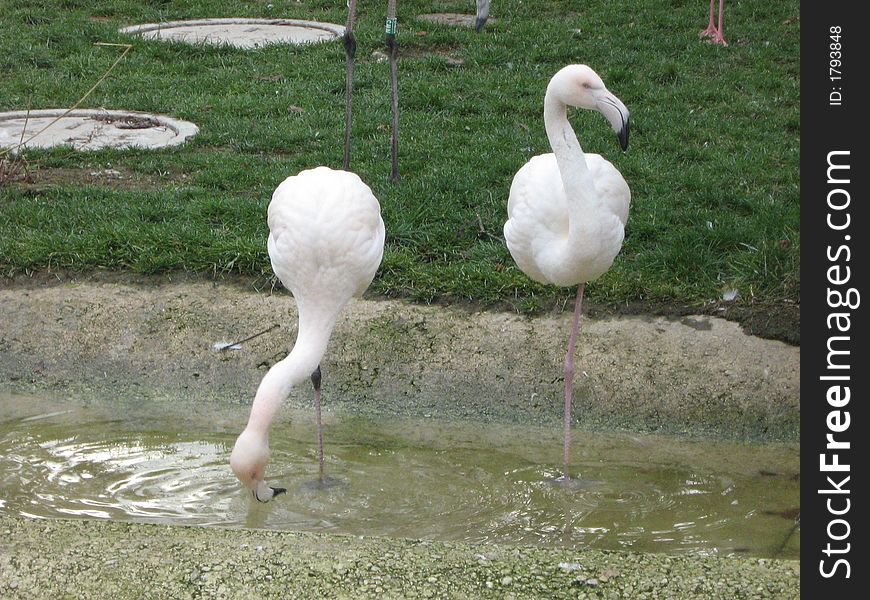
350	52
567	210
714	32
326	240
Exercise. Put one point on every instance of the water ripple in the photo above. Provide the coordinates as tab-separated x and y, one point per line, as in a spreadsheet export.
54	466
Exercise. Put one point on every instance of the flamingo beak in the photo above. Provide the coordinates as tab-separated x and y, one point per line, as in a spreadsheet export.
622	135
265	493
617	113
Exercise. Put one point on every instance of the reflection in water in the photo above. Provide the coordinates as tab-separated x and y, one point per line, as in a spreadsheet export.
410	479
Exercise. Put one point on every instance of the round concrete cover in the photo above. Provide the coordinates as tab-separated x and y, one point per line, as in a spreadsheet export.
91	129
241	33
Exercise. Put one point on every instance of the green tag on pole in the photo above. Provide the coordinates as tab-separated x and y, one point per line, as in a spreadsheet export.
391	26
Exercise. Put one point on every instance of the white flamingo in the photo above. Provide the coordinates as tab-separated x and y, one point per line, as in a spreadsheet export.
567	210
326	240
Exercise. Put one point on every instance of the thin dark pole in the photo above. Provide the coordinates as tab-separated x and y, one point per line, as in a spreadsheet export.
247	339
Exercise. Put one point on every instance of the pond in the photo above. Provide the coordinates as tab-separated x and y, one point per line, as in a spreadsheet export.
476	482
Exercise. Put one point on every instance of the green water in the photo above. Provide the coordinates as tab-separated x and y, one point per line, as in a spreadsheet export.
418	479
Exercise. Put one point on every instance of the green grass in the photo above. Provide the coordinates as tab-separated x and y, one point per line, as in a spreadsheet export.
713	161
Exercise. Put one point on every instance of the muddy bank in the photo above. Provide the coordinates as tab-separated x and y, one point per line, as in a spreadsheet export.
105	340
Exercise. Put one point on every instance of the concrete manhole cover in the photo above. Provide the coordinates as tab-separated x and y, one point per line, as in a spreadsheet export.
91	129
453	19
240	33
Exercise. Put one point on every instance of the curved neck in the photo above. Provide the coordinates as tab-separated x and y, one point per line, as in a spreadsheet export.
315	326
569	155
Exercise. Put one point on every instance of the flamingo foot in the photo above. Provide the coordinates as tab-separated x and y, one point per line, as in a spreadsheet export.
575	484
711	31
715	31
717	38
325	483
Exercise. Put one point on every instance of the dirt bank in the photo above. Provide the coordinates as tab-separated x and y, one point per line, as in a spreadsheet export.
693	374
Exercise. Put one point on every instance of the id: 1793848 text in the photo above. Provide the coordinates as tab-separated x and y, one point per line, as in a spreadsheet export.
835	65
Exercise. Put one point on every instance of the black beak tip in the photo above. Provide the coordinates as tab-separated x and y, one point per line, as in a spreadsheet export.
276	491
623	137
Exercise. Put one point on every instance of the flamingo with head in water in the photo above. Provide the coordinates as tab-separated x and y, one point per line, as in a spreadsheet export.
567	210
326	241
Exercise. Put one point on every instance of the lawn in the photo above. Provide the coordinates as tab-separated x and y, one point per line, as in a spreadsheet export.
713	160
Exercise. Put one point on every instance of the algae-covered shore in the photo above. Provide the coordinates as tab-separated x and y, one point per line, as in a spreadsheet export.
90	559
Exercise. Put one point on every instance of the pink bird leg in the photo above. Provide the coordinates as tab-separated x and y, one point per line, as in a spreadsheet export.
315	381
569	383
715	33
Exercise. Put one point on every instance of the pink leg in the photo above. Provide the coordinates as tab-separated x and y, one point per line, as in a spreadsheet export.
711	27
716	33
569	381
719	38
315	381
